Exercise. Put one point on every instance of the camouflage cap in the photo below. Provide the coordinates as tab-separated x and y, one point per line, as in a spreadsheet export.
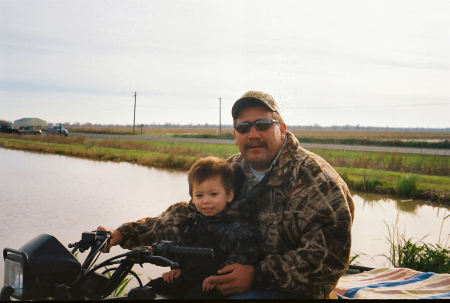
254	98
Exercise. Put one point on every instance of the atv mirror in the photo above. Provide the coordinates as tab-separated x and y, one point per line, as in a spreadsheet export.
34	270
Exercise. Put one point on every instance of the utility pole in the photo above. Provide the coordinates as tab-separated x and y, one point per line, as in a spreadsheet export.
134	116
220	116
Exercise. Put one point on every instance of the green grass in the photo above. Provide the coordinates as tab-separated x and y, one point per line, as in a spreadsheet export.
421	164
424	164
355	141
425	187
226	136
199	149
406	186
330	140
388	179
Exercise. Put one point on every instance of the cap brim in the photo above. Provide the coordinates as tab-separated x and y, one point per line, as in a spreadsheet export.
246	102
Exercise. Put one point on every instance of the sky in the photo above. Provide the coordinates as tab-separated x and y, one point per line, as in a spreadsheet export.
348	62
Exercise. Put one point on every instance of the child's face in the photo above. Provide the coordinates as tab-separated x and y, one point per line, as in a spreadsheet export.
210	196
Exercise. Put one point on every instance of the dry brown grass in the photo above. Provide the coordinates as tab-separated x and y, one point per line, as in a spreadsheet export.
149	131
372	135
319	134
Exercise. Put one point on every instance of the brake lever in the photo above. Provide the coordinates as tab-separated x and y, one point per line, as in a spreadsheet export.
90	239
161	261
144	254
75	247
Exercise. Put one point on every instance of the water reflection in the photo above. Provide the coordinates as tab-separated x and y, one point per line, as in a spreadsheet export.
403	205
65	196
409	206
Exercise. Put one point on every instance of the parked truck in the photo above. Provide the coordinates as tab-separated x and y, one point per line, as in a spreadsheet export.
9	128
60	130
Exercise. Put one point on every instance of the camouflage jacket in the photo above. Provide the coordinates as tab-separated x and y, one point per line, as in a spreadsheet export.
233	239
303	211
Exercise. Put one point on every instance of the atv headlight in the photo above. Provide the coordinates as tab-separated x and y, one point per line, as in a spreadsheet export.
14	273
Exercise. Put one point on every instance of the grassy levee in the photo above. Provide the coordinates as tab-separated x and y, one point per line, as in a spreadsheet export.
427	187
413	176
142	157
444	144
423	164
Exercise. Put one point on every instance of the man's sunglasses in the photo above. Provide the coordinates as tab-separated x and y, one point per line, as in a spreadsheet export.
260	124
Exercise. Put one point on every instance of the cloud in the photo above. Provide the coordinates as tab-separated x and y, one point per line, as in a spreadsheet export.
325	53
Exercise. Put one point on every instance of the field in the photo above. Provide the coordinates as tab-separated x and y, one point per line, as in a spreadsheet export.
310	133
375	135
420	176
360	137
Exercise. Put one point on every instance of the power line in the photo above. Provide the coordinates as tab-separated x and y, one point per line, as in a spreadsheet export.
134	116
220	116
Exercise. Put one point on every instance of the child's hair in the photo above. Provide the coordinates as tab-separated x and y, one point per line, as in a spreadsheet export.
209	167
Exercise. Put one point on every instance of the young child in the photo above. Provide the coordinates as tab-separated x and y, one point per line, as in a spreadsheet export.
212	225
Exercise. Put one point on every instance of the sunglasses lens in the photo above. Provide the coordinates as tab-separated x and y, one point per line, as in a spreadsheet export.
263	124
242	127
260	124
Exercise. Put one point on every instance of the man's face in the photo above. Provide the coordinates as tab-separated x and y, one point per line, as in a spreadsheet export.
259	147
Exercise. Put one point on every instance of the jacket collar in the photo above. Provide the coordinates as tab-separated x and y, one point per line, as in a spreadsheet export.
284	159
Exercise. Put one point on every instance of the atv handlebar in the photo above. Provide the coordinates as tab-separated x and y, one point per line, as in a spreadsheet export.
161	254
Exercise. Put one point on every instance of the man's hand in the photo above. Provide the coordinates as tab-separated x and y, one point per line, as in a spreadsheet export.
170	276
116	237
234	279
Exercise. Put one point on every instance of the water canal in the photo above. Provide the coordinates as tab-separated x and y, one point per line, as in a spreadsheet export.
64	196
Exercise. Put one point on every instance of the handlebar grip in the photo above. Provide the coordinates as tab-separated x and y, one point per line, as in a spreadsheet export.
191	251
169	249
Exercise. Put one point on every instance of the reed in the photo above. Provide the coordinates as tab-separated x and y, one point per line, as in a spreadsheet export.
417	255
407	185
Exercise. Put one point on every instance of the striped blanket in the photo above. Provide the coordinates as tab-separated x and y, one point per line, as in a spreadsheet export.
394	283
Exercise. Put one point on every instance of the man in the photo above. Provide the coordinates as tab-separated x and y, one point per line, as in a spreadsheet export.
303	210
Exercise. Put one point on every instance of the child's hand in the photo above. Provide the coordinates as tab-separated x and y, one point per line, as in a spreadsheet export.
207	286
169	276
